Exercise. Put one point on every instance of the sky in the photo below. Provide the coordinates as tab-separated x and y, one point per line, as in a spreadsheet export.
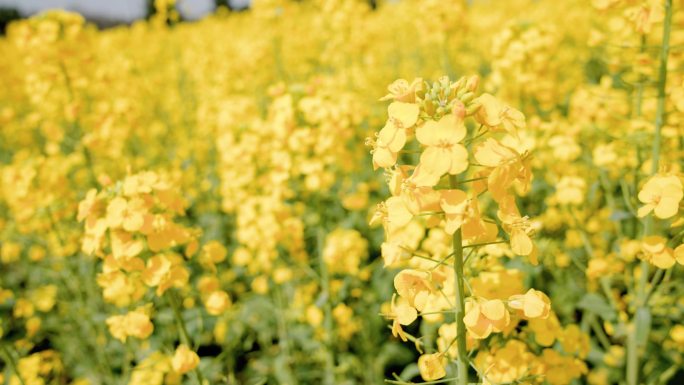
124	10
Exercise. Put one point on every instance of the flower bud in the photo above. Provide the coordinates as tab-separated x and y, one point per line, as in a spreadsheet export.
467	97
473	83
459	109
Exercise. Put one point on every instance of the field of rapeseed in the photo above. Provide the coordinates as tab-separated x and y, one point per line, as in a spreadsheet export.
325	192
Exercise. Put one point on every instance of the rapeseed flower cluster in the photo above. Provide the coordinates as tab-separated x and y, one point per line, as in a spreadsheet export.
459	135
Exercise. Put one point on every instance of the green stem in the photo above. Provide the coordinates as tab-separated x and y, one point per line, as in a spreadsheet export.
126	368
624	188
632	356
431	259
641	298
640	85
610	200
183	331
473	179
662	285
483	244
283	340
662	83
459	309
600	334
329	378
654	282
607	291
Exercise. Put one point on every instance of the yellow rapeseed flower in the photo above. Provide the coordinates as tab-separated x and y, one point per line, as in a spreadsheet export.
661	194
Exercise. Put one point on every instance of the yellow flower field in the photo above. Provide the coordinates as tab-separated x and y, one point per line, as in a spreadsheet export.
329	192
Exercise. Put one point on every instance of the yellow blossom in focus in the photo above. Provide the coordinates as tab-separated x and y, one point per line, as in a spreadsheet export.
392	136
533	304
486	316
443	152
403	91
499	116
661	194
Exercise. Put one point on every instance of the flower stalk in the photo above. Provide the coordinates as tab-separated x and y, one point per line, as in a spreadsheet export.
329	378
634	344
459	309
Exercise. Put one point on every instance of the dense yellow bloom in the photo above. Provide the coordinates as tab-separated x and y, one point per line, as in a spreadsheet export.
139	166
344	251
